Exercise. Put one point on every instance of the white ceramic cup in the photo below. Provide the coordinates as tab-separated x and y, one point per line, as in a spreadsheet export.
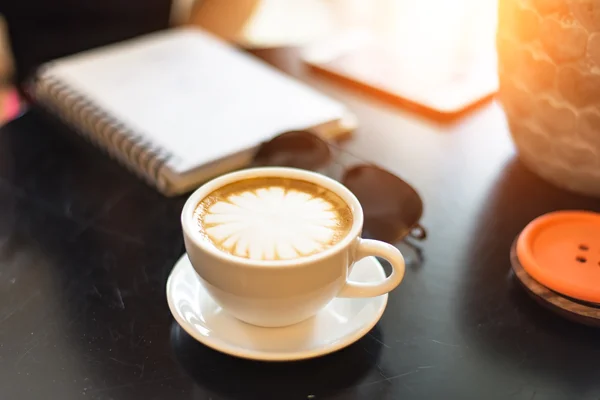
276	293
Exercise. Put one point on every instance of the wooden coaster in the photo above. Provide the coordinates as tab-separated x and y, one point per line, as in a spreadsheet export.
574	310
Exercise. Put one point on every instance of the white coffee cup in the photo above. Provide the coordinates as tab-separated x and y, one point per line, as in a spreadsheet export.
284	292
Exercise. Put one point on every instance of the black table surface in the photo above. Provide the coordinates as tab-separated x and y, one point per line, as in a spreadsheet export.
86	248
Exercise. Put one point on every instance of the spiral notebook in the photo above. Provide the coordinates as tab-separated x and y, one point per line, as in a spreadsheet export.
178	107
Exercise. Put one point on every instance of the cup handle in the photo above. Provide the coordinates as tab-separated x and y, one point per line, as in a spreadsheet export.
366	248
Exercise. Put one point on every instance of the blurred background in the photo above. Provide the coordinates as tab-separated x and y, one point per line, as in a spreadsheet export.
436	35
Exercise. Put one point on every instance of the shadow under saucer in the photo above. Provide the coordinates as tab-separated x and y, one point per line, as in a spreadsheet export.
219	374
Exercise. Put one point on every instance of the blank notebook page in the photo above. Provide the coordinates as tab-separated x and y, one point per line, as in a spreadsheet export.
193	95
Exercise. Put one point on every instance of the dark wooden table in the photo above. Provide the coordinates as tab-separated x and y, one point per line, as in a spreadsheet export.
85	251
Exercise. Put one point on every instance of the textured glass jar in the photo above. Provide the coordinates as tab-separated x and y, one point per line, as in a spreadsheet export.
549	69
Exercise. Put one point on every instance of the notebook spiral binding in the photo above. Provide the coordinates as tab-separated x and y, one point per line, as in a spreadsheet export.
130	149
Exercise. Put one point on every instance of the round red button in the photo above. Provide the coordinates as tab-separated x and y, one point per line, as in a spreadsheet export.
561	250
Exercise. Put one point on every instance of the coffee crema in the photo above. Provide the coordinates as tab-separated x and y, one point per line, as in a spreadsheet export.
272	218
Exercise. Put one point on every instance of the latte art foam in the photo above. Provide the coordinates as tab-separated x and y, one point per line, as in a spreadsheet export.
273	218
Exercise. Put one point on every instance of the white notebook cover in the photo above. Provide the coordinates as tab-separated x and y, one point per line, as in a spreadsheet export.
199	103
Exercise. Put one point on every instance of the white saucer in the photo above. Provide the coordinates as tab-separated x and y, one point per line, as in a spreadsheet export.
341	323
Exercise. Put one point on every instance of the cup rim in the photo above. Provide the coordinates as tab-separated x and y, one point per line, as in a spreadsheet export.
188	222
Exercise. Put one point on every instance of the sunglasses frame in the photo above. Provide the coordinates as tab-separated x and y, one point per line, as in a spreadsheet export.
335	158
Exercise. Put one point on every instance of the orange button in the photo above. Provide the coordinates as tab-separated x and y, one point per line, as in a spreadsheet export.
561	250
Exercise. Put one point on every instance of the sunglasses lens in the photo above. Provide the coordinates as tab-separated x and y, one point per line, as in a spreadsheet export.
298	149
392	208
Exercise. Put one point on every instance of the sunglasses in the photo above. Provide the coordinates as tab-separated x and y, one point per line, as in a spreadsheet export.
392	208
